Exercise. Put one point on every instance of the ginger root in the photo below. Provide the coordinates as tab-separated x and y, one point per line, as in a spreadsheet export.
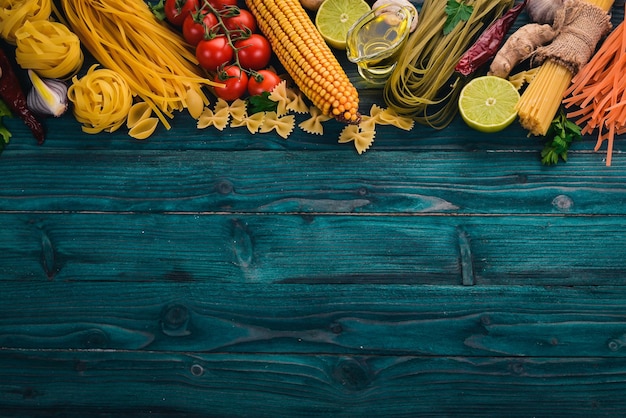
520	46
583	25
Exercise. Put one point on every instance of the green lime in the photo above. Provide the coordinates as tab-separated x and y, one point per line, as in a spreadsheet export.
335	17
488	103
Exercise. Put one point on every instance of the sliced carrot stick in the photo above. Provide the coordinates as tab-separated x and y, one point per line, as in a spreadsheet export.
599	92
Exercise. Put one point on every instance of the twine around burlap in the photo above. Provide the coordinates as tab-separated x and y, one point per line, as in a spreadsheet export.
581	25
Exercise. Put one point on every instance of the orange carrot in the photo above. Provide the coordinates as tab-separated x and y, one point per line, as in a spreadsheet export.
599	92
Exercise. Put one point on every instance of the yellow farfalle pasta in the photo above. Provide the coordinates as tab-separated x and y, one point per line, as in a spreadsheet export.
217	117
363	138
368	123
283	125
102	100
296	102
280	95
252	122
388	116
313	125
48	48
14	13
237	109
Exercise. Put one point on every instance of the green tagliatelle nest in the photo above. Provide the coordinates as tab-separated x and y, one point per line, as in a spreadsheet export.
424	85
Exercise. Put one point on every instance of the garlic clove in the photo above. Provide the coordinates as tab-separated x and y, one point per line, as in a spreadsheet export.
395	5
47	96
543	11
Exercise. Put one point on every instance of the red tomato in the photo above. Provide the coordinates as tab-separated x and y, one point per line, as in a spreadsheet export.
220	4
241	21
212	53
177	10
196	25
254	52
235	83
264	80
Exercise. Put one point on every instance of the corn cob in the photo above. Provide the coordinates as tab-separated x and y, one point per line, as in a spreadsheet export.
307	58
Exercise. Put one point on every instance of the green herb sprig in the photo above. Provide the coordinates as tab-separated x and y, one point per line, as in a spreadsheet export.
560	135
5	135
261	103
456	11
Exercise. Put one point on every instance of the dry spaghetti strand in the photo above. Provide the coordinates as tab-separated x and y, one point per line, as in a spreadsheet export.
125	37
542	98
598	91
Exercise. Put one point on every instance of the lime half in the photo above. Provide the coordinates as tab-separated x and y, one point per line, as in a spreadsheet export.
488	103
335	17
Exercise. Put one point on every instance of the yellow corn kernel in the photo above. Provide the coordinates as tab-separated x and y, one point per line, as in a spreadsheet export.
307	58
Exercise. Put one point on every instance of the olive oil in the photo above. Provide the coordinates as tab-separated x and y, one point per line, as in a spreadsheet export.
375	42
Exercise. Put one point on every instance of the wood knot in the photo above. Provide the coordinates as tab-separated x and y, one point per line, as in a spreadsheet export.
562	203
196	370
96	339
352	374
224	187
175	321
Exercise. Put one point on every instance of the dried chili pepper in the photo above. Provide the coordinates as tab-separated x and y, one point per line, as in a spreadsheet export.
489	42
12	94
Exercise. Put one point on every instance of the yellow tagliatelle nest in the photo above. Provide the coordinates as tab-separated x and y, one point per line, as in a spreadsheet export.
14	13
102	100
49	48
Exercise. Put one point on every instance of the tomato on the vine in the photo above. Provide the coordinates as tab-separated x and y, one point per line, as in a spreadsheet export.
213	53
177	10
262	81
196	25
220	4
235	83
254	52
241	21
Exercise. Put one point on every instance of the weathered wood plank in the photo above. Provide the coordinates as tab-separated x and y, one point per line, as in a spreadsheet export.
178	384
327	182
311	248
389	320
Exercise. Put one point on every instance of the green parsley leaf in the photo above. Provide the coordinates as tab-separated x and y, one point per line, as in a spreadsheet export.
560	135
158	9
5	135
261	103
4	109
456	11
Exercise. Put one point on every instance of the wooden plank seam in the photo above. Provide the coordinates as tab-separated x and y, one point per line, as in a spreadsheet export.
467	264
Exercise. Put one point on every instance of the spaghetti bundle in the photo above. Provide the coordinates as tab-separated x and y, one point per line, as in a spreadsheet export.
599	92
542	98
49	48
125	37
419	85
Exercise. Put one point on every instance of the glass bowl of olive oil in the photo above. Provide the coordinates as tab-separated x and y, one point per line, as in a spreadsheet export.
375	41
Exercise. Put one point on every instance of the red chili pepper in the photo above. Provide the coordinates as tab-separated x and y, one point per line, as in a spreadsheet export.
12	94
489	42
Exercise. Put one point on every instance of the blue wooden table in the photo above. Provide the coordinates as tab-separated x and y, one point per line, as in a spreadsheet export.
218	273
